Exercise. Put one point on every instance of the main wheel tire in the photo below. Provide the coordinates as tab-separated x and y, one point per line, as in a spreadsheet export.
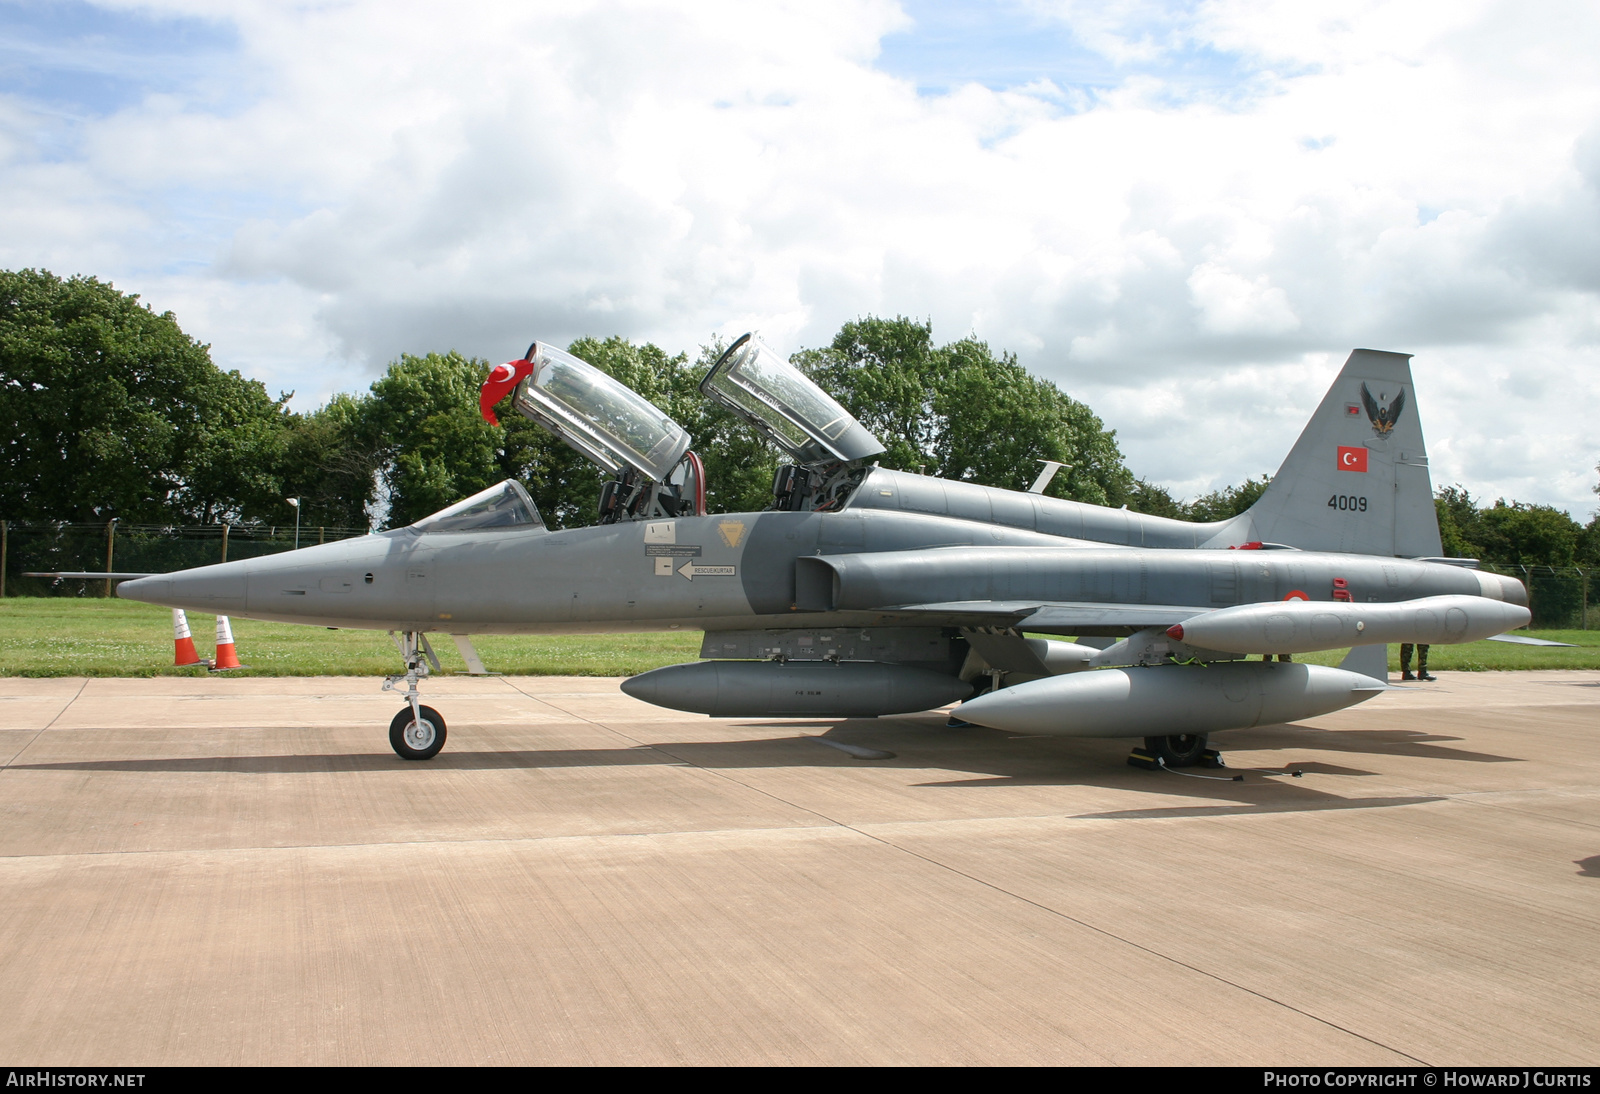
1183	750
414	740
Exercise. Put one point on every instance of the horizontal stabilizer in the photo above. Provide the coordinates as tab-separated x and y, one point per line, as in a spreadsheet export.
1524	640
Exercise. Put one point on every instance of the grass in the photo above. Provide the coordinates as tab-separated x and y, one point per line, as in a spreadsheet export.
60	636
1495	656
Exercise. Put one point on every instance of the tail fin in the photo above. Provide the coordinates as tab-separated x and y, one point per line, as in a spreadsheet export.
1357	480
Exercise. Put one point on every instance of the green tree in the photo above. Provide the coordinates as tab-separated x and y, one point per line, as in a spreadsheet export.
1521	534
332	460
423	419
885	372
1228	502
235	469
108	409
1460	527
1506	534
1157	501
1589	545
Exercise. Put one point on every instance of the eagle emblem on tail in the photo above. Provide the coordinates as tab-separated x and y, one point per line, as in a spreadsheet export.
1383	417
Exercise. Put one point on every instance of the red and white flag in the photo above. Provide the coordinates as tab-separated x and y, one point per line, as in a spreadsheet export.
1352	459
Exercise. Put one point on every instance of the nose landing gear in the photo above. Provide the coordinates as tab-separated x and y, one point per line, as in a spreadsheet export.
417	736
416	732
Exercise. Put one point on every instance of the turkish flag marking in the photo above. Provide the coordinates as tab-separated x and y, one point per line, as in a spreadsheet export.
1352	459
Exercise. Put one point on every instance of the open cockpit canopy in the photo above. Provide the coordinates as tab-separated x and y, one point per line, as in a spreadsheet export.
503	507
608	423
784	405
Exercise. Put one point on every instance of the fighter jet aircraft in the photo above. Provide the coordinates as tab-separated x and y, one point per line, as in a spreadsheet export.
864	591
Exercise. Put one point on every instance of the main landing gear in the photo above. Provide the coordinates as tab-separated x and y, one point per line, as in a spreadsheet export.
1182	750
417	732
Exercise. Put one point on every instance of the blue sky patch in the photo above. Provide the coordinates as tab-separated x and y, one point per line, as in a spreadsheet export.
82	61
1004	44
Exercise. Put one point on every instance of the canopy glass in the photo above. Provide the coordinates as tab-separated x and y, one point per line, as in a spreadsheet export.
503	507
608	423
782	403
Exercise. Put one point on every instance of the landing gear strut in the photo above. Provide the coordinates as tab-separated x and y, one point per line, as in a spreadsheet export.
417	732
1181	750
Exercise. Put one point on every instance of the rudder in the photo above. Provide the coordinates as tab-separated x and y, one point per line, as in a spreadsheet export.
1356	481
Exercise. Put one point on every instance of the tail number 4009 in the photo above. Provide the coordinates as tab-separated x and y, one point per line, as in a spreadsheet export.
1348	502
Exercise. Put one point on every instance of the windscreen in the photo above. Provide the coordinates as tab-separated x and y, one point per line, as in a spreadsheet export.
502	507
604	420
778	399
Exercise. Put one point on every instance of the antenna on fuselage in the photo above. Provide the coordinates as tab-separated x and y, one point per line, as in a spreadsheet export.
1049	472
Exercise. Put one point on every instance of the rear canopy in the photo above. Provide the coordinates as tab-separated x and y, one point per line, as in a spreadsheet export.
784	405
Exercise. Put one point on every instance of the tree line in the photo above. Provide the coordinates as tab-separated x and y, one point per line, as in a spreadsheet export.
110	410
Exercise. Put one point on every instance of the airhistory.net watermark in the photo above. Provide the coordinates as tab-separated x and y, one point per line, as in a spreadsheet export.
52	1079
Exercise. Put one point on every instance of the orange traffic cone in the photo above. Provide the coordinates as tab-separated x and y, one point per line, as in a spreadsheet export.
227	658
182	641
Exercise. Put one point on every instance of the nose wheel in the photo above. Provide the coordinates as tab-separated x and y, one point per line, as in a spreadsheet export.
417	732
417	736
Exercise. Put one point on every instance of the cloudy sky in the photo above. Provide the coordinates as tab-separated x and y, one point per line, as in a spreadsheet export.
1185	213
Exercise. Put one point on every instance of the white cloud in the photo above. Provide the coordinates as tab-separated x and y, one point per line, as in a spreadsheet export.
1195	248
1232	304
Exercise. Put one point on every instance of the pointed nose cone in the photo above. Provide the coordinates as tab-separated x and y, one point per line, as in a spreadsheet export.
219	588
151	590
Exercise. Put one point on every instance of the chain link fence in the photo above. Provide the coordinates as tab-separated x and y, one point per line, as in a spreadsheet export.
134	548
1560	597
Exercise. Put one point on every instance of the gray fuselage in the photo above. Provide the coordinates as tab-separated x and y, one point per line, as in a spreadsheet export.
738	572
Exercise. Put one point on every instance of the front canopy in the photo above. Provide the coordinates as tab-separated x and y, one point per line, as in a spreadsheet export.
503	507
609	423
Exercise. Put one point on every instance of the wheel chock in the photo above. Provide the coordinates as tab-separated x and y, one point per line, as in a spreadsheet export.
1140	757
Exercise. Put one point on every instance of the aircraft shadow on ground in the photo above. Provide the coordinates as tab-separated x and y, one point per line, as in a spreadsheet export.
1384	742
981	758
